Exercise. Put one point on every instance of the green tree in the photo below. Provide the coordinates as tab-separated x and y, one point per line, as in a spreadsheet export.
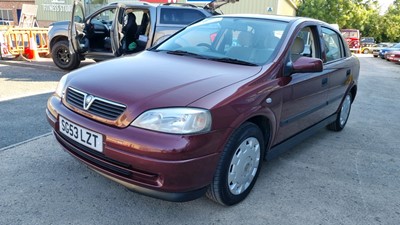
358	14
391	23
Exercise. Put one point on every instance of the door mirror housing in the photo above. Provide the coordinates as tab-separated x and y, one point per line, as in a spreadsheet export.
303	65
307	65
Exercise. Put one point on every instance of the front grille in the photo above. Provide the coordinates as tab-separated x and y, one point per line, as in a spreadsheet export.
97	159
95	105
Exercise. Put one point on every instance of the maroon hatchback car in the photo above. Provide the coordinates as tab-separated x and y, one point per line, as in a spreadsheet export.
199	112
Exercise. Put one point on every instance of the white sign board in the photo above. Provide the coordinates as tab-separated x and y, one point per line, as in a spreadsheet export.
28	15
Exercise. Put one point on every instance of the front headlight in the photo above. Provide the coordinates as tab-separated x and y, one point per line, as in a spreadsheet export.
61	86
175	120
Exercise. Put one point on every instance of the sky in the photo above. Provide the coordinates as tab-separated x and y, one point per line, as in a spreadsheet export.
384	5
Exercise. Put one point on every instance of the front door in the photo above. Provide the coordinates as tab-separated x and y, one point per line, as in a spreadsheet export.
304	101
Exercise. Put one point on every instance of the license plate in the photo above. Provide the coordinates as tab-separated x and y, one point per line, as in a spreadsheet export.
81	135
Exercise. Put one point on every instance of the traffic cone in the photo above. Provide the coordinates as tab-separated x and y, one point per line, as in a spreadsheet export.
33	54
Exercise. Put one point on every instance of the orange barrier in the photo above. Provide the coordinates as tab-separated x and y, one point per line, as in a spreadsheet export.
3	47
27	43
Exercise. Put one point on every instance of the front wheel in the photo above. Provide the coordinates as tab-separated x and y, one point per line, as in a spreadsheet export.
343	115
366	51
63	58
239	166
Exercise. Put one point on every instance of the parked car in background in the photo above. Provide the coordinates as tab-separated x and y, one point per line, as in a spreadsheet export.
200	111
393	56
382	51
6	23
375	50
366	44
118	29
367	40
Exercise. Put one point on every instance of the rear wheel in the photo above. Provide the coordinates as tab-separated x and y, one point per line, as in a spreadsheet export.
343	114
63	58
239	166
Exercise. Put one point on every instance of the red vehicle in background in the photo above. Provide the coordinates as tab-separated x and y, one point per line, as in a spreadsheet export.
352	37
393	56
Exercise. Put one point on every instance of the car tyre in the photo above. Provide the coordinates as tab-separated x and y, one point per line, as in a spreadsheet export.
63	58
239	166
343	115
366	51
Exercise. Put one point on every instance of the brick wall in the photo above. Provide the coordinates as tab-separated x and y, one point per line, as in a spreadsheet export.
14	5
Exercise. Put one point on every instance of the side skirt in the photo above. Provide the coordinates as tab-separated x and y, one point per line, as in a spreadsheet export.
285	146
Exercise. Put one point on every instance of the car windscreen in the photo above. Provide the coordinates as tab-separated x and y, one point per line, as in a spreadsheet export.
228	39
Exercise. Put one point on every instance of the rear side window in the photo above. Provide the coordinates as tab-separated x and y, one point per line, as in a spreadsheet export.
333	45
180	16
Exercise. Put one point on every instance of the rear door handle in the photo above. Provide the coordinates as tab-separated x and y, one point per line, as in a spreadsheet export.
324	82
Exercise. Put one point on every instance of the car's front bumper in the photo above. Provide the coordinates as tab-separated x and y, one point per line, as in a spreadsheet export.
163	166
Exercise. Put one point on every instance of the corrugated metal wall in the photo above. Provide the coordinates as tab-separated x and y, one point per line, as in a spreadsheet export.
252	6
272	7
57	10
54	10
286	7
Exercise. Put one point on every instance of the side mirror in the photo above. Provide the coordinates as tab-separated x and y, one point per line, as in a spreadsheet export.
307	65
303	65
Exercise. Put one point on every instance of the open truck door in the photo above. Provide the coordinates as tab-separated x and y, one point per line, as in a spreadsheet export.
116	30
78	43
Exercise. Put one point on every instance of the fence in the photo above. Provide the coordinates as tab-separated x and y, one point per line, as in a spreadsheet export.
25	43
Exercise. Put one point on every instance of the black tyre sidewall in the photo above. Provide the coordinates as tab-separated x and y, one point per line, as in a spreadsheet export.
336	126
245	131
74	61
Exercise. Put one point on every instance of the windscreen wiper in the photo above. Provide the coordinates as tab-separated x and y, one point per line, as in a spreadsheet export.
180	52
234	61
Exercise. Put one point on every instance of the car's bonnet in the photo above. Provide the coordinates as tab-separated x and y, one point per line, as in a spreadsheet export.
157	79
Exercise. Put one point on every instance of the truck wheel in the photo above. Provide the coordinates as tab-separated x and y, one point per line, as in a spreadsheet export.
239	166
63	58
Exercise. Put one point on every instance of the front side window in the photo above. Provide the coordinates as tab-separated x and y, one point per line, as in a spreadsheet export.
251	41
103	19
304	45
333	46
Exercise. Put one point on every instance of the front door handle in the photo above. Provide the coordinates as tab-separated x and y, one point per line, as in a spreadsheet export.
348	72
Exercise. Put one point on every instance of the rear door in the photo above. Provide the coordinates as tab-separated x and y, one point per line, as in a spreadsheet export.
76	28
341	66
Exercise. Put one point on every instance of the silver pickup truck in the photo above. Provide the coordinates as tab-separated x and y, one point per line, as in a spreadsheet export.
119	29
